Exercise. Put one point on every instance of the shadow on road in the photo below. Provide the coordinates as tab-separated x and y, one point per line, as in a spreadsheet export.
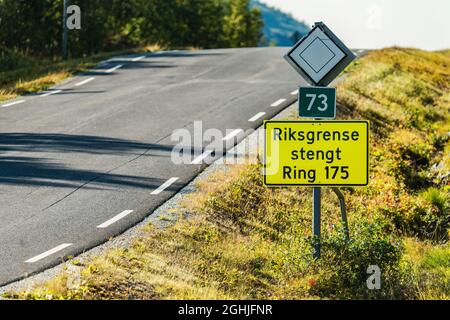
129	64
43	172
183	54
101	70
28	170
51	142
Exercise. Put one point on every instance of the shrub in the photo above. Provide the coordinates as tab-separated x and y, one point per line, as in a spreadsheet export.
10	60
436	218
344	264
426	216
411	154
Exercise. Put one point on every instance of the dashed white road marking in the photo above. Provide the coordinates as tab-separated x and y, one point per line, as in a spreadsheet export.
13	103
49	253
84	82
257	116
277	103
202	157
114	219
165	185
294	93
138	58
232	134
114	69
50	93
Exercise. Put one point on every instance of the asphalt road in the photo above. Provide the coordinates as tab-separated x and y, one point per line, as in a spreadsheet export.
92	157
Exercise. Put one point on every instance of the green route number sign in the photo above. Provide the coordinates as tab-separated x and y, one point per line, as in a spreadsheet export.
317	102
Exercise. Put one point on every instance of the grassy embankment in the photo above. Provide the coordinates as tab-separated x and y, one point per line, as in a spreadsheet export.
243	240
21	75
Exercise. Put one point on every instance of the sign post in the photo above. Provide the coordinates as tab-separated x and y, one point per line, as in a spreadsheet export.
318	153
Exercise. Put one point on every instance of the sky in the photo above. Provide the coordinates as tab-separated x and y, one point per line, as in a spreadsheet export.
370	24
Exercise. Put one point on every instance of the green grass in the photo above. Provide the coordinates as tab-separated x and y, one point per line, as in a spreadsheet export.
431	265
242	240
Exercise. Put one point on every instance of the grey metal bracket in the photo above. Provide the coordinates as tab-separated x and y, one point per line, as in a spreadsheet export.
343	211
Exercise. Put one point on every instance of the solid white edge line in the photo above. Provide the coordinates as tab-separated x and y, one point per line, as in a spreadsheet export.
50	93
294	93
277	103
138	58
84	82
165	185
257	116
48	253
114	69
202	157
109	222
13	103
232	134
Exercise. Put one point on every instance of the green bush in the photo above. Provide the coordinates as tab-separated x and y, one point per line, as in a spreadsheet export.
343	267
435	220
426	215
10	60
411	164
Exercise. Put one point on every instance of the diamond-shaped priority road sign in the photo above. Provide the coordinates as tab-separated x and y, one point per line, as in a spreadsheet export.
320	56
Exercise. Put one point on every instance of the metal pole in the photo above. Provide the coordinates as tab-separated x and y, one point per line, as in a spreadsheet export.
65	32
317	195
316	222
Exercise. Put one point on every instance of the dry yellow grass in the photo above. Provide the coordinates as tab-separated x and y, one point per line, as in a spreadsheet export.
40	84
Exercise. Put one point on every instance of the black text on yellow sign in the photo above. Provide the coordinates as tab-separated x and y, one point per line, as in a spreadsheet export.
316	153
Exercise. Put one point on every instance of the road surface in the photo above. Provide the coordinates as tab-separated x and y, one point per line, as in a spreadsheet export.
88	159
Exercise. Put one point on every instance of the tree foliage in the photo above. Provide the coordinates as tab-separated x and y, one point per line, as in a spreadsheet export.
35	27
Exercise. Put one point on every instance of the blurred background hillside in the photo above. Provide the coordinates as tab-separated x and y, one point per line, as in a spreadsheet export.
280	28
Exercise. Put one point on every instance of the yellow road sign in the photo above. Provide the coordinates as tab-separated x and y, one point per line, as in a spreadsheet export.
316	153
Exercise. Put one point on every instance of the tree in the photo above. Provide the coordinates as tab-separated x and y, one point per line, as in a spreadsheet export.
35	27
31	26
243	25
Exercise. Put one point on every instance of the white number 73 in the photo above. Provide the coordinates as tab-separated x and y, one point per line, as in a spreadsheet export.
313	99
